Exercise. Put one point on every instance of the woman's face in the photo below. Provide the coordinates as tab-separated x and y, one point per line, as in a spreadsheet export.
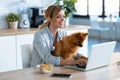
59	20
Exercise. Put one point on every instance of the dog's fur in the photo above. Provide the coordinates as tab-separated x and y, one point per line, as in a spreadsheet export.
68	47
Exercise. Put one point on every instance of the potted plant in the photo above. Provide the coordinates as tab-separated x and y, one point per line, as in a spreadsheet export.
69	7
13	20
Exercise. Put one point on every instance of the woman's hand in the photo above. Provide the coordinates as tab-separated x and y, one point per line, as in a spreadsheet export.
81	61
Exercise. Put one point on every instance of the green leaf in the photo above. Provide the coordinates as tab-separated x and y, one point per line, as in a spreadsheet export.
12	17
73	1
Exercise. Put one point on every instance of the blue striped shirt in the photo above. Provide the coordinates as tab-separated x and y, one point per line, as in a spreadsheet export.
43	46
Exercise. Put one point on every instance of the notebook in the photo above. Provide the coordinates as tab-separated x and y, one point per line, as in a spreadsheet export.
99	56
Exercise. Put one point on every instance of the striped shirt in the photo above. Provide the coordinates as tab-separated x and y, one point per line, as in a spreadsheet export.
43	46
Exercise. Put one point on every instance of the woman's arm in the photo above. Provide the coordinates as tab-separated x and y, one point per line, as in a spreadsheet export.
42	46
67	62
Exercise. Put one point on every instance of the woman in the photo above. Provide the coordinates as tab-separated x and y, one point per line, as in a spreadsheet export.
47	36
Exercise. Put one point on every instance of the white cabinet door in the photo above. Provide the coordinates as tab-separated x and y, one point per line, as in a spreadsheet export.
83	50
22	39
7	53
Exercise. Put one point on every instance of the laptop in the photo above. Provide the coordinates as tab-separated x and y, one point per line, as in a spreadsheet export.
99	56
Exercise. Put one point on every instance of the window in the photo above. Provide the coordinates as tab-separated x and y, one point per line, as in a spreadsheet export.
112	7
81	7
97	7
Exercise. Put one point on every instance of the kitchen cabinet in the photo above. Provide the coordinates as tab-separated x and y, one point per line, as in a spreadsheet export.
10	52
7	53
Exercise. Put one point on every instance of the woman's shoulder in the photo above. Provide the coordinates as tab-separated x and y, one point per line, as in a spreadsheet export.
40	31
62	32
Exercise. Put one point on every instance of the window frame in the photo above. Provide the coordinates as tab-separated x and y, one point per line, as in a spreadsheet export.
87	16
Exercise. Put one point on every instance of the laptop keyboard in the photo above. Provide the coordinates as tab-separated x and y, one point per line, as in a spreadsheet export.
81	66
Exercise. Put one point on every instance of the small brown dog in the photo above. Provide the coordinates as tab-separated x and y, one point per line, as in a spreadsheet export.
68	47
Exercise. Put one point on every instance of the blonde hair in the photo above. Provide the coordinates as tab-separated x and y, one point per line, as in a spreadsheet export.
51	12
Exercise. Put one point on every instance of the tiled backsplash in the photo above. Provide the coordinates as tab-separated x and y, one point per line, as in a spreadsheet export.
13	6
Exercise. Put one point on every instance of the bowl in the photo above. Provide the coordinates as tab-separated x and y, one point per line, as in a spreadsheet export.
46	68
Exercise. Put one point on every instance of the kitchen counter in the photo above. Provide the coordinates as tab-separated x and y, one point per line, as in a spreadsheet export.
8	32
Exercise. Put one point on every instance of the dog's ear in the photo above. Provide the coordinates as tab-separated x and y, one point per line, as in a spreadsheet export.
85	34
81	34
78	34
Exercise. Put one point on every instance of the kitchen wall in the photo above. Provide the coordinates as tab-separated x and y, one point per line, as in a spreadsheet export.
14	6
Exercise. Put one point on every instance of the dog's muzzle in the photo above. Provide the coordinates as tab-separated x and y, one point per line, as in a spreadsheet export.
80	45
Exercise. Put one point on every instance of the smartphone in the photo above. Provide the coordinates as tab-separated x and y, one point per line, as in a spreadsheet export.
61	75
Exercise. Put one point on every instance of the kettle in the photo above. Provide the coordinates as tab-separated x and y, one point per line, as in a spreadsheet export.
24	21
